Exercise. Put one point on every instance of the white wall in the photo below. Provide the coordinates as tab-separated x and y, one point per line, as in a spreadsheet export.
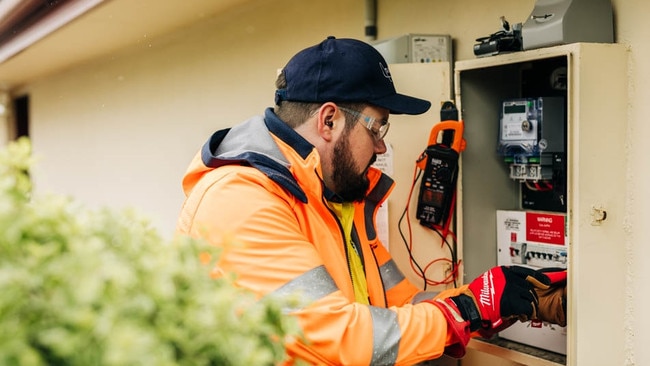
120	131
633	29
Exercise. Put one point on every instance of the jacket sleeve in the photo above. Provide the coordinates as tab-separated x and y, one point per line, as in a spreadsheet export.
273	252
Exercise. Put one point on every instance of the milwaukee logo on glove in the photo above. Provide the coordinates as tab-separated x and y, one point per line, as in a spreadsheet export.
486	296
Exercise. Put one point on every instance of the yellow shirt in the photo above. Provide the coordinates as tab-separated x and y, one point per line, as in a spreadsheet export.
345	213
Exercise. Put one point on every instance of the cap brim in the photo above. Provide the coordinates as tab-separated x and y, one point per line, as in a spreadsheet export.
403	104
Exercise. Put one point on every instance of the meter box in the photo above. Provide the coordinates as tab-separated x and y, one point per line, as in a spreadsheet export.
537	240
416	48
532	141
530	131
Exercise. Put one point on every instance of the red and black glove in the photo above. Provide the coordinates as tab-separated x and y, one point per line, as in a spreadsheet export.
499	294
492	302
552	295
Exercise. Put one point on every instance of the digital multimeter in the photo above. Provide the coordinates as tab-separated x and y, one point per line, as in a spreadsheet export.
440	165
438	184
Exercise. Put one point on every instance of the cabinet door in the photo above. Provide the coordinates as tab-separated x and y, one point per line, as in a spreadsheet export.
597	283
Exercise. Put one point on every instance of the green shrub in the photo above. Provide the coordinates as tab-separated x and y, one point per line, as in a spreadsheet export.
100	287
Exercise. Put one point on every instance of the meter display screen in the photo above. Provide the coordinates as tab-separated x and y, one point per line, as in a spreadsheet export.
521	108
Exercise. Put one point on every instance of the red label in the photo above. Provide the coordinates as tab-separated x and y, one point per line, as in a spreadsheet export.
545	228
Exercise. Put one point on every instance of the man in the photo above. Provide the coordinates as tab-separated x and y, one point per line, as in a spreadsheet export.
297	189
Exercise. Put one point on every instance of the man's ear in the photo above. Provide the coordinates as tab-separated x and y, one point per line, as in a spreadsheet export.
328	120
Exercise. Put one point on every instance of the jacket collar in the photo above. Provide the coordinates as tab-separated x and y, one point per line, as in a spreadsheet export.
248	143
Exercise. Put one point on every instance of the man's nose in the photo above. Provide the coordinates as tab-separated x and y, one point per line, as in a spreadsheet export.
380	146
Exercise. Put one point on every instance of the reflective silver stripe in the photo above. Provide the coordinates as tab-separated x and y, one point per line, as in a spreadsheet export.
390	274
310	286
424	295
386	336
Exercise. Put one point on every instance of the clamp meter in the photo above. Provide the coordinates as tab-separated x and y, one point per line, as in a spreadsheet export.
440	165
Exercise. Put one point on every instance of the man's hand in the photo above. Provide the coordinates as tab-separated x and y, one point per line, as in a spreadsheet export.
552	296
492	302
504	293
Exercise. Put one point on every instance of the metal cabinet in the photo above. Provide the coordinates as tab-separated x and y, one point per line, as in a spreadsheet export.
595	88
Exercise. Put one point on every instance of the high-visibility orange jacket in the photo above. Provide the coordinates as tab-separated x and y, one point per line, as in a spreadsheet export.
260	183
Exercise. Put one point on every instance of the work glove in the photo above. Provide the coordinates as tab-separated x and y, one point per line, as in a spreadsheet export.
493	301
552	296
500	294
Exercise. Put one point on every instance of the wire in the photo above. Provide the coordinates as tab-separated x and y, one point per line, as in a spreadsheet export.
442	231
540	186
407	243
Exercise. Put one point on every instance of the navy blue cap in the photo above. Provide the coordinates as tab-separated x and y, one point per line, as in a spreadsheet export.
345	70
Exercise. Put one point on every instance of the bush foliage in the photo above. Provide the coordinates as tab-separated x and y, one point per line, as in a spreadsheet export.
100	287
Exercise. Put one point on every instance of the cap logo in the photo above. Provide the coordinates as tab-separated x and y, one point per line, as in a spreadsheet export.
386	72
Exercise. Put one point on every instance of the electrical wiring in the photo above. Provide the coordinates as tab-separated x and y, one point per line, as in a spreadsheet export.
408	243
442	231
540	186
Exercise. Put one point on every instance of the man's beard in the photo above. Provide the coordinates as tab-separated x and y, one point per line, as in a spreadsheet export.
350	185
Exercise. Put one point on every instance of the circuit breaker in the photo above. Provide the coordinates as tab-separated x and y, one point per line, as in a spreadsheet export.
536	240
